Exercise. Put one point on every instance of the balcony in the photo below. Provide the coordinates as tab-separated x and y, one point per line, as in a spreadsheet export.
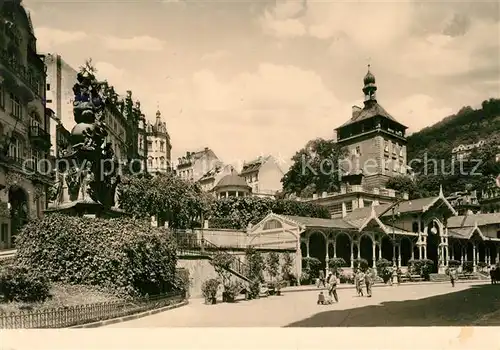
17	77
40	138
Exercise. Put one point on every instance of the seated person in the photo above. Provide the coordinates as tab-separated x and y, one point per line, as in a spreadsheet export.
321	299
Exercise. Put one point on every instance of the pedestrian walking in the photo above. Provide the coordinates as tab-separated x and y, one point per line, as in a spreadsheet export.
332	286
394	276
493	273
321	279
360	279
453	276
369	282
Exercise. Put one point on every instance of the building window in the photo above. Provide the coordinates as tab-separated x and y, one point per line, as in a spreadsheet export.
2	97
336	208
348	206
414	227
396	166
48	87
386	162
15	148
35	157
150	145
150	162
386	146
162	146
358	150
401	152
49	101
15	106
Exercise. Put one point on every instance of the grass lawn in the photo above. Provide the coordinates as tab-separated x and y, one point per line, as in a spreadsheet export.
61	296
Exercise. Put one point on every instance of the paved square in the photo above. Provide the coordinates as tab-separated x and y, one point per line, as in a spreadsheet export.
411	305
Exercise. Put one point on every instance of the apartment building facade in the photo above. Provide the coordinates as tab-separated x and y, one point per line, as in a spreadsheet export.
25	171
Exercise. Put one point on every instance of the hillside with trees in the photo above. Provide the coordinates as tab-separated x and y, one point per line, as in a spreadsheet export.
432	147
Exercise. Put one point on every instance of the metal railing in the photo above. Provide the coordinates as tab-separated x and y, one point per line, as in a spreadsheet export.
82	314
189	244
20	70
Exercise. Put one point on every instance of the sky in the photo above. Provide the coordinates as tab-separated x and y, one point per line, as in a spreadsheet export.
250	78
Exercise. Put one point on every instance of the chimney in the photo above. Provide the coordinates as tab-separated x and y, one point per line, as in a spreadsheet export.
206	149
355	111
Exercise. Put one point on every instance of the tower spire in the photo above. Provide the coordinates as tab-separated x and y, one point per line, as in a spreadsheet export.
369	88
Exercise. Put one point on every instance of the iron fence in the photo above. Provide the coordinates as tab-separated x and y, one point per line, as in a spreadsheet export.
82	314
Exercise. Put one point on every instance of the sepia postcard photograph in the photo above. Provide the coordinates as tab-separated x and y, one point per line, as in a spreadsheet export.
272	166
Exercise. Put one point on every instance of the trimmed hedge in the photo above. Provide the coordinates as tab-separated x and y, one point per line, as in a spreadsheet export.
238	212
124	255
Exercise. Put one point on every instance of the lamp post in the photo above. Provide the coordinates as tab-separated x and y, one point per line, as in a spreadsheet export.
394	214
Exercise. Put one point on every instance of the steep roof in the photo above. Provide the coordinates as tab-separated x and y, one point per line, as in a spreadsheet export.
369	111
254	165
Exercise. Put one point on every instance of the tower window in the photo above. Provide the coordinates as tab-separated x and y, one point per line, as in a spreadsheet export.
48	87
386	146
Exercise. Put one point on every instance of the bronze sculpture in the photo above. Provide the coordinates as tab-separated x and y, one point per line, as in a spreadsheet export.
90	169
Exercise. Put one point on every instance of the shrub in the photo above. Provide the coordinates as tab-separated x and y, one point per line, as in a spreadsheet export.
312	266
384	269
273	264
182	280
336	264
231	290
305	279
209	289
255	263
361	264
17	284
421	267
468	267
254	291
453	263
286	269
346	277
481	265
125	255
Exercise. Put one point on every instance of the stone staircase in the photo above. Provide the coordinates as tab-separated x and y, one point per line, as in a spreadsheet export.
189	245
439	277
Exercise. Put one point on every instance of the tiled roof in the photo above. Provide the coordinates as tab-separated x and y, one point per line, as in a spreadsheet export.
470	220
463	233
233	180
317	222
254	165
369	111
408	206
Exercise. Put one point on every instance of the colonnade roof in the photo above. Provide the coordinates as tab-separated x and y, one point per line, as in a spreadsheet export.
473	219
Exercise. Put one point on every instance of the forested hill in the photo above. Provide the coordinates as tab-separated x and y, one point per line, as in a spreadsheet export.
467	126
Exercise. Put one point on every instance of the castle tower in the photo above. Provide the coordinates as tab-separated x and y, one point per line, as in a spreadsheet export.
375	141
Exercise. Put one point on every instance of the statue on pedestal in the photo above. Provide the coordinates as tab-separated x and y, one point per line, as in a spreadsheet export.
90	167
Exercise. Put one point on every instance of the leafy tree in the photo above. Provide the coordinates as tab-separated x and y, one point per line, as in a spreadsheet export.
315	168
165	196
404	184
336	264
437	141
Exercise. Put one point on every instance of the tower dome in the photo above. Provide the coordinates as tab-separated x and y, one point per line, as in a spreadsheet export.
369	77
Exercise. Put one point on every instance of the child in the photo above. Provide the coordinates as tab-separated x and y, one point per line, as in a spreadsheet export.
321	299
